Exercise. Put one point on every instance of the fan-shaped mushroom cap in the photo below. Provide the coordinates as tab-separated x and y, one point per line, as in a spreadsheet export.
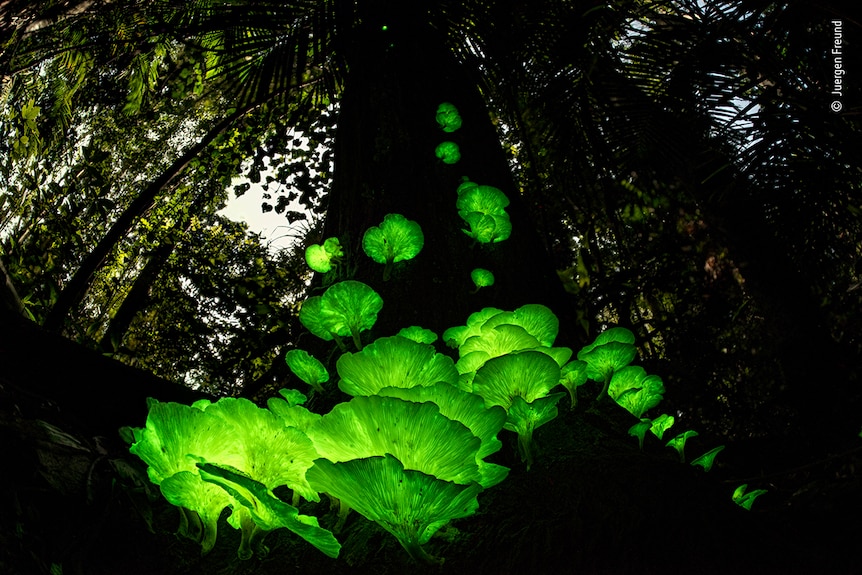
307	368
448	117
417	434
418	334
411	505
529	375
482	278
483	199
603	360
455	336
537	319
345	308
448	152
395	239
487	228
469	409
320	257
634	390
267	450
393	362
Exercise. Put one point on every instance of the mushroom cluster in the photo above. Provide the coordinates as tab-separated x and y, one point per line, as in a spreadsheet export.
345	309
483	209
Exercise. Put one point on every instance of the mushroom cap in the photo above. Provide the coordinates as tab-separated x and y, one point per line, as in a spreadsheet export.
417	434
186	489
499	340
266	510
317	258
661	424
448	117
634	390
395	239
603	360
306	367
174	430
487	228
455	336
528	374
483	199
454	403
482	277
344	307
267	450
408	503
613	334
537	319
448	152
524	416
418	334
393	362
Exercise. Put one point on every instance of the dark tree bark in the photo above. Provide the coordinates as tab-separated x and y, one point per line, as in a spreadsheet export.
385	163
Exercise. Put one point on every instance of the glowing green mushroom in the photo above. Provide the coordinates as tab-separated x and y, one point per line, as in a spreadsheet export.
469	409
288	408
537	319
307	368
448	117
393	362
418	334
707	459
661	424
639	430
267	511
515	382
481	278
417	434
572	376
679	441
746	500
322	258
448	152
407	503
487	228
482	199
455	336
634	390
396	239
345	308
611	350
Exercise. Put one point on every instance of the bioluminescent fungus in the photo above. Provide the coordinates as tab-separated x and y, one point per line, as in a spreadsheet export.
448	117
418	334
707	459
611	350
322	258
639	430
345	309
746	500
679	441
634	390
267	511
409	504
396	239
528	375
661	424
289	409
417	434
468	408
487	228
307	368
483	208
455	336
481	278
393	362
448	152
572	376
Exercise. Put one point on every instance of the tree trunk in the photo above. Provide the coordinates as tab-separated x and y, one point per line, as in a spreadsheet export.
385	163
